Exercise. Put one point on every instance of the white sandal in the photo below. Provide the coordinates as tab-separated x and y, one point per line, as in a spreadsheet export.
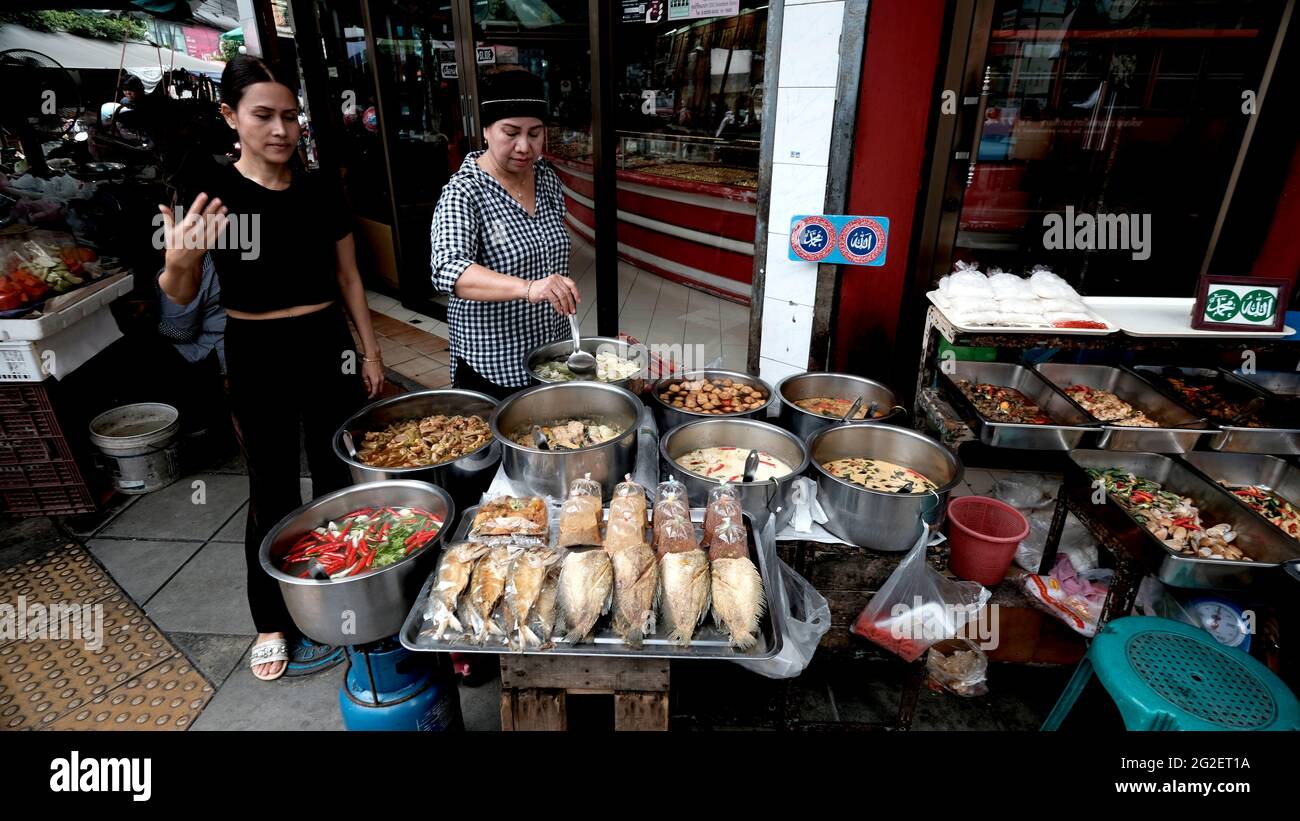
269	652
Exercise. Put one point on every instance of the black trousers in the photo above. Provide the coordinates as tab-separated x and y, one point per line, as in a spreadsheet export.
288	377
471	380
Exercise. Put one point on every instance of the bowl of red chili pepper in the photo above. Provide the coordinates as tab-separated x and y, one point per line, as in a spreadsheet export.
350	564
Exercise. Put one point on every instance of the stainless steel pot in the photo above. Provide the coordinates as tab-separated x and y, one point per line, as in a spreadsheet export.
667	416
873	518
593	345
465	478
804	423
365	608
549	472
759	499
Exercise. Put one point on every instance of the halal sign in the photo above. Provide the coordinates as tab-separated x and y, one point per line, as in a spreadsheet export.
863	241
813	238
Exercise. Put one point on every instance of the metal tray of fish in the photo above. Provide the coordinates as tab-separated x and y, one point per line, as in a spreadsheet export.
706	643
1179	430
1075	424
1268	546
1271	437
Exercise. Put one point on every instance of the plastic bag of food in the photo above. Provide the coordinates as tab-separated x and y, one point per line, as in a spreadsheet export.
511	516
958	666
579	521
630	497
724	502
671	490
454	569
624	529
918	606
674	533
729	540
806	618
481	606
586	486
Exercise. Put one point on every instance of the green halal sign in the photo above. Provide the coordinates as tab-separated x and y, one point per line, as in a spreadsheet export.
1239	305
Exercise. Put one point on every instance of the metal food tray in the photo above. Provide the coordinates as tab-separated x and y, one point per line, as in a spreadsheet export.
1233	438
707	643
1184	427
1020	435
1258	539
1242	469
1284	384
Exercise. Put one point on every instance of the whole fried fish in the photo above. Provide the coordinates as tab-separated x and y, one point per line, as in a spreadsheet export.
586	591
485	589
636	592
523	588
737	600
454	569
543	616
685	595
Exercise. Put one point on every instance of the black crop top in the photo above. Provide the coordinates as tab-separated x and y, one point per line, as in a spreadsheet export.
279	249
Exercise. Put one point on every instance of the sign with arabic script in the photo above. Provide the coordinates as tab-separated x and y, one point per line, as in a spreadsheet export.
839	239
1240	303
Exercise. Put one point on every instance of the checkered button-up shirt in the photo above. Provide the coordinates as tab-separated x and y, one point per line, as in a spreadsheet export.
478	221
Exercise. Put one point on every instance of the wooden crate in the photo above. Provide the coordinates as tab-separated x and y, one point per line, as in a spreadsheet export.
535	690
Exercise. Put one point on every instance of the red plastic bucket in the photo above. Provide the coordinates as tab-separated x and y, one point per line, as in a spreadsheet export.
983	534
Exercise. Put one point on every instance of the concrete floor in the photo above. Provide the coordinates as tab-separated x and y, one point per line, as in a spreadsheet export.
181	561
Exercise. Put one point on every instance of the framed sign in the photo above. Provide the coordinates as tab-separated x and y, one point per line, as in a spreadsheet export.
449	71
1240	304
485	55
839	239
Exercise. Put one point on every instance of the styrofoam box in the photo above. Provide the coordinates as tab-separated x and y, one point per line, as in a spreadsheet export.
98	295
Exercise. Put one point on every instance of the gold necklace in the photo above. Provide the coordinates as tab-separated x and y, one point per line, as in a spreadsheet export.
502	178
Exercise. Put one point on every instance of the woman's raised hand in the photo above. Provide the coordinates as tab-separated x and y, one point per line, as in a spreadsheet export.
200	226
558	290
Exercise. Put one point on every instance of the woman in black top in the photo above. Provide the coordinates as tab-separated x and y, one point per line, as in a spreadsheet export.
282	244
500	247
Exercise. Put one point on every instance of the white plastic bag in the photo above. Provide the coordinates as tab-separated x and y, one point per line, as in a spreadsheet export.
806	616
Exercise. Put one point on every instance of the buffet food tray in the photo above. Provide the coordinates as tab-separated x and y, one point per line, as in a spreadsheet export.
1020	435
1180	428
707	643
1268	546
1233	470
1233	438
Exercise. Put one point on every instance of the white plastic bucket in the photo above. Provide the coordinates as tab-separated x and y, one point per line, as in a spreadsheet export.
139	444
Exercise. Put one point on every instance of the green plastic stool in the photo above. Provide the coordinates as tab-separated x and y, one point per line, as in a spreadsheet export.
1166	675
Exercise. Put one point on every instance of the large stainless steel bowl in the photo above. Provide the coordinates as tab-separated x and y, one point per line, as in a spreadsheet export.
365	608
804	423
872	518
593	345
757	498
549	472
667	416
465	478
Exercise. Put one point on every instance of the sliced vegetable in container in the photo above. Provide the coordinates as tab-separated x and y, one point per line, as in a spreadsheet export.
364	540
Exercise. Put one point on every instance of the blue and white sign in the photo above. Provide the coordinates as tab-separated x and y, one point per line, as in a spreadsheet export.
839	239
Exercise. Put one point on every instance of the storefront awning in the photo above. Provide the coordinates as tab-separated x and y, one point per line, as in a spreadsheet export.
74	52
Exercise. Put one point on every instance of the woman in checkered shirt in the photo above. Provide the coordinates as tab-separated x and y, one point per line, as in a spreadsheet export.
500	247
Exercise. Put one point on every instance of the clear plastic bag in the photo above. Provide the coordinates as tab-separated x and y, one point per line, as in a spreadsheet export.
628	497
958	666
674	533
579	521
624	528
586	486
729	541
806	617
723	504
671	490
511	516
918	606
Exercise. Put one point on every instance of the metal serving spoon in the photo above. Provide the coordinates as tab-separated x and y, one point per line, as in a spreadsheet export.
751	465
581	363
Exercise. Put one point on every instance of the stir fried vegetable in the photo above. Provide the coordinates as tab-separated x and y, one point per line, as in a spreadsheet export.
1277	510
1171	518
362	541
